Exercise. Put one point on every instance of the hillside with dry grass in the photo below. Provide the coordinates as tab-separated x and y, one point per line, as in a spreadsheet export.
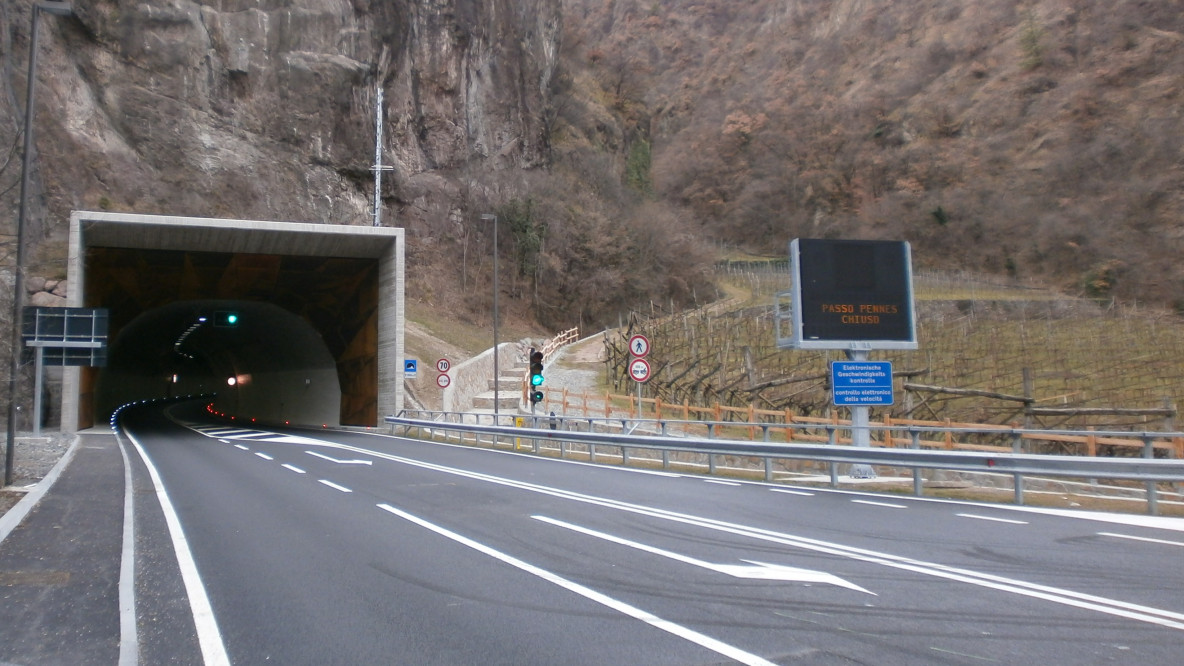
1036	139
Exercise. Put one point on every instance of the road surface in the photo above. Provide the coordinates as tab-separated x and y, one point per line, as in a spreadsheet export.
303	547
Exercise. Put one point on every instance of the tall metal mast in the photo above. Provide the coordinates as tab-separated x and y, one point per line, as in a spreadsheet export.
378	168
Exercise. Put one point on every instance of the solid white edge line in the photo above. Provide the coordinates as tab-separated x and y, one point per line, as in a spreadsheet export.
680	631
129	637
992	519
334	486
209	637
1139	538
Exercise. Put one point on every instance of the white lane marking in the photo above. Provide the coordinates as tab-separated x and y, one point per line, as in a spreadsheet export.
992	518
264	455
791	492
224	441
680	631
722	483
1066	597
129	634
240	446
754	570
339	462
294	468
1138	538
884	504
209	637
335	486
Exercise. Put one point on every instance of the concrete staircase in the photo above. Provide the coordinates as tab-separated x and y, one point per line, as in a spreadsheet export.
509	393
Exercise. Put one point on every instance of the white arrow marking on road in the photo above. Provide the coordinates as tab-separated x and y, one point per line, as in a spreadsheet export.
753	570
339	462
634	612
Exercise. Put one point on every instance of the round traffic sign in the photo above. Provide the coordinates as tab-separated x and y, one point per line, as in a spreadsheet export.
443	365
639	369
639	345
443	381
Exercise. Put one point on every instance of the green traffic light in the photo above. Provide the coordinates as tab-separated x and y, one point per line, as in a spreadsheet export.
536	380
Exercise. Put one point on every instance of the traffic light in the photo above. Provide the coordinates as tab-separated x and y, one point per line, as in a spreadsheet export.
225	318
536	397
536	369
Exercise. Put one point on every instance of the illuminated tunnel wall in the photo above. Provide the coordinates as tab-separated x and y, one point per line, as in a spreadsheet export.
319	336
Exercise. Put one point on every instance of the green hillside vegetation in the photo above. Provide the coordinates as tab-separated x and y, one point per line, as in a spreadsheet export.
973	334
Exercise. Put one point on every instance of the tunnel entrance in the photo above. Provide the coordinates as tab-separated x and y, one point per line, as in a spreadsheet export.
318	336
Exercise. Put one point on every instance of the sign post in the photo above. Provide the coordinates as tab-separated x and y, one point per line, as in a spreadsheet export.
639	368
856	296
61	337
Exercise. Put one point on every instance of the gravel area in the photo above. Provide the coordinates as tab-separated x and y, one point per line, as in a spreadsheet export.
33	457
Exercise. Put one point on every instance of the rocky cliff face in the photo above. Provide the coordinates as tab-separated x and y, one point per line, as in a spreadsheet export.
265	108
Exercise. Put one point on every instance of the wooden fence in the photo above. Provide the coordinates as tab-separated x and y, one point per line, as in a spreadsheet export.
752	423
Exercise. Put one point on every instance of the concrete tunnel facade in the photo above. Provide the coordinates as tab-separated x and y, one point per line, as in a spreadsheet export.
318	338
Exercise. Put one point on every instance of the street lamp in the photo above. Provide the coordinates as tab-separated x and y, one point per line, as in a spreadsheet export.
60	9
496	378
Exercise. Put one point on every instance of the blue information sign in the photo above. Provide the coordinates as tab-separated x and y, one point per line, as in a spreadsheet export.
866	383
410	367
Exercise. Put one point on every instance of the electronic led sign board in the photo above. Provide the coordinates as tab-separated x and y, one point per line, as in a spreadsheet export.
851	294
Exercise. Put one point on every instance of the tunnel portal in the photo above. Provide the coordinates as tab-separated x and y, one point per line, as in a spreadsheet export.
318	308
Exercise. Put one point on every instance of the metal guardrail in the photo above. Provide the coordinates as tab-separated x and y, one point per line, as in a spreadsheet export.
594	432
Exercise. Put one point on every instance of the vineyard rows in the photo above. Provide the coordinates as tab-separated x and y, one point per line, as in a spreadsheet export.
1103	362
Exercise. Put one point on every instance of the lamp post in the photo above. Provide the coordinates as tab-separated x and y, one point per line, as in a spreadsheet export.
60	9
496	368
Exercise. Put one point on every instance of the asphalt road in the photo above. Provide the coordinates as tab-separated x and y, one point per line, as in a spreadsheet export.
313	547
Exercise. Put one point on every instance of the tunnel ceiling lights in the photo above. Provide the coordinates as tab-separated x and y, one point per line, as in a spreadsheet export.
189	331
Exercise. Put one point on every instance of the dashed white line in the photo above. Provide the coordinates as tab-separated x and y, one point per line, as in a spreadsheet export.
240	446
1136	538
334	486
884	504
993	519
792	492
722	483
264	456
294	468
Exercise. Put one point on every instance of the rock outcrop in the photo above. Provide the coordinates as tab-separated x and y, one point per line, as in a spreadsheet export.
265	108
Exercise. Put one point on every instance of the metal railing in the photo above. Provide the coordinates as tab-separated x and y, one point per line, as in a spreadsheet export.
560	434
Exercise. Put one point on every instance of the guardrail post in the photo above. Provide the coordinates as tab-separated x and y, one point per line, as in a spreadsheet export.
711	456
1017	446
915	444
834	467
1152	490
768	460
591	446
665	452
